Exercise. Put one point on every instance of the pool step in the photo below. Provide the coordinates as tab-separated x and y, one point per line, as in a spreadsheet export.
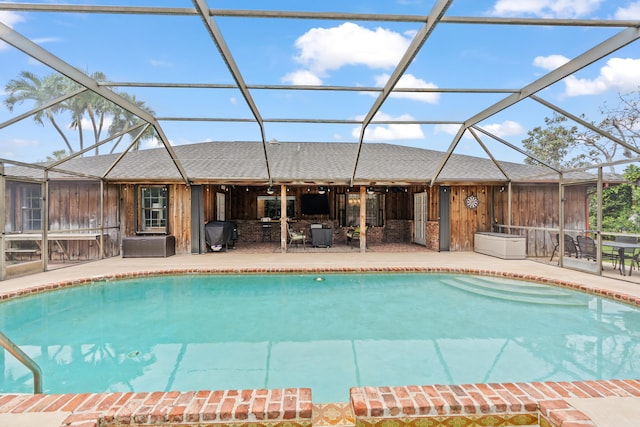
512	290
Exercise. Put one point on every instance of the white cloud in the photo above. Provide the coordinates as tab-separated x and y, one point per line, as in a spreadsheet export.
160	63
448	129
550	62
325	49
504	129
410	81
391	132
151	143
302	77
632	11
10	19
545	8
619	74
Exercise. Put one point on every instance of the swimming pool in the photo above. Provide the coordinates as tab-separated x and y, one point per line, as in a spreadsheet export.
193	332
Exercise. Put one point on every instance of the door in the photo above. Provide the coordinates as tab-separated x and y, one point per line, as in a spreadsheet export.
445	219
420	218
220	207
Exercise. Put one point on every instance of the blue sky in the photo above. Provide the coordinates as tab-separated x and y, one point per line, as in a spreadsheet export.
177	49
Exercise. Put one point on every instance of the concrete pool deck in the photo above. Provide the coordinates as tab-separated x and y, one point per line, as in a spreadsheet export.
598	413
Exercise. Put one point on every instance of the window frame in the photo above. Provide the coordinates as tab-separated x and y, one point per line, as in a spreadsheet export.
31	207
152	210
263	212
349	209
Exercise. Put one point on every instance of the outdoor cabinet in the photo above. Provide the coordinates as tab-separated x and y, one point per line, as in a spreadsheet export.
148	246
501	245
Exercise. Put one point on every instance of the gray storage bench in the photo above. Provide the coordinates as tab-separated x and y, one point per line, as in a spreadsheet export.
148	246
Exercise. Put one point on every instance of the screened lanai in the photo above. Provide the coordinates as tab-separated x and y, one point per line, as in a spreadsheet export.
103	100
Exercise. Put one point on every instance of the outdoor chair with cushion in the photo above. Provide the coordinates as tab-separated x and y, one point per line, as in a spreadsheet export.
296	236
354	234
570	247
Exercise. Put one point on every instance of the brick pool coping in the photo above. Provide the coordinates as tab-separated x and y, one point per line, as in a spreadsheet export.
525	404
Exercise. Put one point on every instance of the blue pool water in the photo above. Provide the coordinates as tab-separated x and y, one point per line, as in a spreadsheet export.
272	331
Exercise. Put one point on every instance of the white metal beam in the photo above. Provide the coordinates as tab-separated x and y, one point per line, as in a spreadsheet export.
418	41
619	40
216	36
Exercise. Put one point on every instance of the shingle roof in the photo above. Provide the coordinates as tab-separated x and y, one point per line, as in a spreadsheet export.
292	162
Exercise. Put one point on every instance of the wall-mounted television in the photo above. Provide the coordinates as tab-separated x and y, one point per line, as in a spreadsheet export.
314	204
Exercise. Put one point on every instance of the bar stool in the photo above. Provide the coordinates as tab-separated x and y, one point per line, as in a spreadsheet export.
266	228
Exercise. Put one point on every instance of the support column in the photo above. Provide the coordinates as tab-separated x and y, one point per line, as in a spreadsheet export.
283	219
363	219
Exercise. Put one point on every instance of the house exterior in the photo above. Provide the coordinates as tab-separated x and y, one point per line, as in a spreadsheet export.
143	193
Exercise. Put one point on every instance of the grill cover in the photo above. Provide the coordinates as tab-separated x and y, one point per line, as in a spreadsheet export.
220	233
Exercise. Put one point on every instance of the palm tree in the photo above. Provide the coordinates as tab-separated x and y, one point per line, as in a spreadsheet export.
86	104
56	155
123	119
29	87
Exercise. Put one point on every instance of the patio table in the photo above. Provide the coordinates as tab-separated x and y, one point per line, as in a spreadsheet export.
621	246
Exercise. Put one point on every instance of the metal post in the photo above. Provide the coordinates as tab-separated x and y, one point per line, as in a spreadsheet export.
45	221
599	221
561	220
363	219
3	182
283	219
509	213
102	251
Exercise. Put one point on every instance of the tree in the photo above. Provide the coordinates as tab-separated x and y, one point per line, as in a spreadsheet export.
564	146
88	104
57	155
29	87
620	209
123	119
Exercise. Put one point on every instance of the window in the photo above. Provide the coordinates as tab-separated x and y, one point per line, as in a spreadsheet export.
375	210
32	207
152	209
269	206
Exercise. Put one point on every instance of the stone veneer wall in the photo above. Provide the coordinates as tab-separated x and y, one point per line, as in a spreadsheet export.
433	235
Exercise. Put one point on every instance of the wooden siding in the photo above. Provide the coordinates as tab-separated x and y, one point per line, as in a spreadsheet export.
537	206
533	206
179	212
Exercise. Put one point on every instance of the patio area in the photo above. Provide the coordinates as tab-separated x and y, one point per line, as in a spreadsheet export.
267	257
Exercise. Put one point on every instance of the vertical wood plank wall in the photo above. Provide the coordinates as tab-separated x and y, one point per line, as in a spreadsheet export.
537	205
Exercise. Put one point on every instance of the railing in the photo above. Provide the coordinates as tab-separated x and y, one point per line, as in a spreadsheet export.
25	360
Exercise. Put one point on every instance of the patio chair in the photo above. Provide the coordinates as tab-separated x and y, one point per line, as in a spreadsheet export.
588	248
296	237
570	247
629	253
354	234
